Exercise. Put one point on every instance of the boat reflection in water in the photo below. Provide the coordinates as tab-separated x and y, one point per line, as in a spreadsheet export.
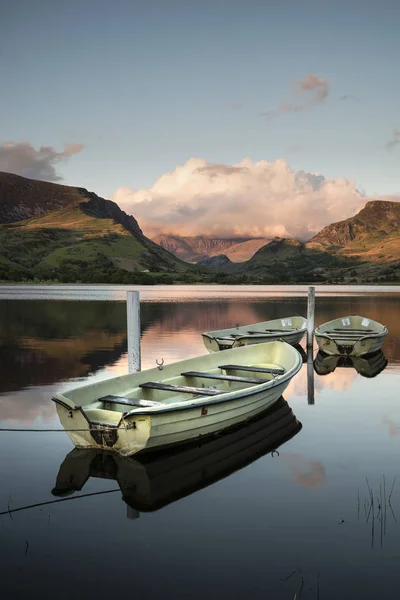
149	482
368	365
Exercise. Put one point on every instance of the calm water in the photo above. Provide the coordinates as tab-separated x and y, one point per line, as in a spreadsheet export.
229	518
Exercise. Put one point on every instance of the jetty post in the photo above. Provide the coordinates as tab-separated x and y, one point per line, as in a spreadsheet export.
310	344
133	329
310	316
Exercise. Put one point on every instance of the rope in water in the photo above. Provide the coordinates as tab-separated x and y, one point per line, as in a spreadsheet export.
58	430
13	510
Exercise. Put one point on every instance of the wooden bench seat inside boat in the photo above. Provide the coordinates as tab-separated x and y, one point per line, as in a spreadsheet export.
127	401
184	389
348	334
206	375
272	371
264	331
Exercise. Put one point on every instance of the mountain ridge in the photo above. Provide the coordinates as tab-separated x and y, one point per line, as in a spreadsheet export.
51	231
45	227
196	249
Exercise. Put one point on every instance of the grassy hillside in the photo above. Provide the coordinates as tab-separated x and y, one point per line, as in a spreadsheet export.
365	248
81	237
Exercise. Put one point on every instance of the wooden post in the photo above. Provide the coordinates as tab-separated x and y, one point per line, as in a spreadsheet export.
133	328
310	344
310	316
310	375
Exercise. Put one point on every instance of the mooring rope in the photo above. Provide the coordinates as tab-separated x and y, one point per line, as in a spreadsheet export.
105	428
13	510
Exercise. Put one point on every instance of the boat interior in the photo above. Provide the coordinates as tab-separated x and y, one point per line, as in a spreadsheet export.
188	385
351	328
283	326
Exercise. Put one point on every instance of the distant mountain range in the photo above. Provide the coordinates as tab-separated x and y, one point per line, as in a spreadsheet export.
50	231
367	244
201	248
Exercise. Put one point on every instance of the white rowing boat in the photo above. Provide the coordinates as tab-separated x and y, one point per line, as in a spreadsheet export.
352	335
183	401
151	481
290	329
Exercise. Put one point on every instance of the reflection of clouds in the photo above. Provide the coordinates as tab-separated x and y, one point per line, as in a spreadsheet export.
339	381
29	405
393	428
306	472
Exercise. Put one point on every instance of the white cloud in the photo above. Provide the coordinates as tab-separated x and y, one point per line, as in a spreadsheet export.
244	199
21	158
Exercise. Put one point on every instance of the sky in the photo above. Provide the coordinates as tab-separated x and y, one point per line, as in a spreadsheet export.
258	117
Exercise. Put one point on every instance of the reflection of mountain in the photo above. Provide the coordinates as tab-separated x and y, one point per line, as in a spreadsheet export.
44	342
368	365
152	481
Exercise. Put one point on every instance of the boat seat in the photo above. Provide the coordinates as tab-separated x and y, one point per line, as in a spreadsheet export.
347	336
272	371
351	329
185	389
223	377
271	331
127	401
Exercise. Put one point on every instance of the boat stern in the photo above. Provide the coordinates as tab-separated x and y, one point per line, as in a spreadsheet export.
104	429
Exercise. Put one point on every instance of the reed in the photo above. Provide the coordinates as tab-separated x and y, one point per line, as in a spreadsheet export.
377	504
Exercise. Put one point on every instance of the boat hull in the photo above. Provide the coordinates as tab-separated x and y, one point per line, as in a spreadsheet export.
289	329
176	422
169	428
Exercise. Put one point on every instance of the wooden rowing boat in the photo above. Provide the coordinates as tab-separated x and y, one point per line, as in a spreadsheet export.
179	402
290	329
352	335
151	481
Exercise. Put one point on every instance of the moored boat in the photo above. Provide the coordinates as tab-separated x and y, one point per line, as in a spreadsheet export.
369	365
181	401
290	329
352	335
151	481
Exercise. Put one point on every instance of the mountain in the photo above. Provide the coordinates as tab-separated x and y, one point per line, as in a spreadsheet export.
199	248
373	234
366	246
45	227
220	262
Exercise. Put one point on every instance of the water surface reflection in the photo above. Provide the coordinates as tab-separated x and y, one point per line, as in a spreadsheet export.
235	521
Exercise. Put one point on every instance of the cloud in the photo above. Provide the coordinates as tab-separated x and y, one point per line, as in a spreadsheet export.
23	159
255	199
394	141
310	91
308	473
350	97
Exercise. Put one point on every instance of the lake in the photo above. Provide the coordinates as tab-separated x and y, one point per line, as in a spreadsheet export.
304	500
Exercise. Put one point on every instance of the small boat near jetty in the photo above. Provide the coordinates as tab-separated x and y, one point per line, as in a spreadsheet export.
290	329
369	365
352	335
178	402
148	482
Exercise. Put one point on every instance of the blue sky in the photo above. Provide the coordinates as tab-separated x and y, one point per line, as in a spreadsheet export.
145	86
